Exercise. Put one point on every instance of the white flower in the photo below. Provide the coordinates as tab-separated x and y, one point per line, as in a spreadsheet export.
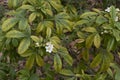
105	31
37	44
116	19
102	32
108	9
117	9
49	47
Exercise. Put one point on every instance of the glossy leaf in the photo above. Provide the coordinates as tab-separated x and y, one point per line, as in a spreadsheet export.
81	22
32	17
15	34
27	53
97	40
28	7
89	29
86	14
35	38
9	23
24	45
48	32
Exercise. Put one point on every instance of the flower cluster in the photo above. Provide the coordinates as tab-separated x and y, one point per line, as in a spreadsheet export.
108	9
49	47
105	31
117	10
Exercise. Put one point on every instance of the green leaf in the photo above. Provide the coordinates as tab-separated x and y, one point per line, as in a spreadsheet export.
109	71
48	32
24	45
32	17
56	5
110	44
113	12
117	75
105	63
116	34
27	53
86	14
96	61
117	24
57	63
9	23
81	22
30	62
64	53
28	7
34	77
39	60
85	54
97	40
15	42
100	19
23	24
35	38
40	27
89	40
66	72
15	34
89	29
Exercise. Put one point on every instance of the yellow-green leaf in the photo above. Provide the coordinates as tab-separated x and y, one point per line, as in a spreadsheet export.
64	53
14	34
39	60
29	7
96	61
30	62
66	72
40	27
35	38
97	40
56	5
85	54
89	40
105	63
89	29
32	17
48	32
81	22
57	63
86	14
24	45
110	44
9	23
27	53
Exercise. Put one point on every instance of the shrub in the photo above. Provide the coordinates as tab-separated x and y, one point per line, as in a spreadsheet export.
58	43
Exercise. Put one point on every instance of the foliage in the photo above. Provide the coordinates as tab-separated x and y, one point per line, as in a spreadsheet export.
56	42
